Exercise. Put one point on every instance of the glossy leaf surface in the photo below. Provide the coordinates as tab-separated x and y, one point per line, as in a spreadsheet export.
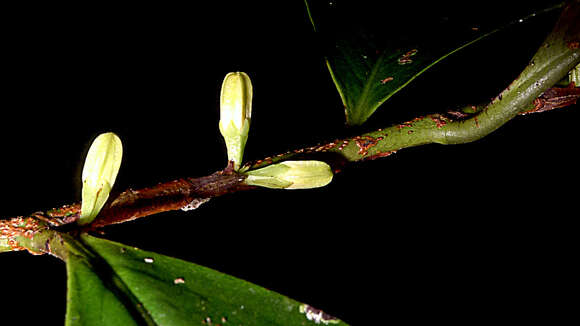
372	52
113	284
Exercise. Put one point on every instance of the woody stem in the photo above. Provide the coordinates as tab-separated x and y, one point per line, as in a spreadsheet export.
529	92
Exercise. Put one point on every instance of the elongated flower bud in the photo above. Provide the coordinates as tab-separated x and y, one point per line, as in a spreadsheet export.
235	114
574	75
99	173
291	175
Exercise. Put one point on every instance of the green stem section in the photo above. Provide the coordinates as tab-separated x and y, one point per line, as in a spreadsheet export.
556	57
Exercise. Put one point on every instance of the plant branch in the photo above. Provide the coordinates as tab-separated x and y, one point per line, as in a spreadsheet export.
558	54
529	93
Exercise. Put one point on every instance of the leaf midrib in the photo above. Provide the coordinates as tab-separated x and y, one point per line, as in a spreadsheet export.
363	99
116	285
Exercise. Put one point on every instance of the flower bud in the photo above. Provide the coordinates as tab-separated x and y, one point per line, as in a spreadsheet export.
235	113
291	175
99	173
574	76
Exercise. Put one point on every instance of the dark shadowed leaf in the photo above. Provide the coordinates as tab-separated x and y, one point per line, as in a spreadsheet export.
373	51
113	284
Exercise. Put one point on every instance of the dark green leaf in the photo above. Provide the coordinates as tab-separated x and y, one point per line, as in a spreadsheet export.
113	284
373	52
90	300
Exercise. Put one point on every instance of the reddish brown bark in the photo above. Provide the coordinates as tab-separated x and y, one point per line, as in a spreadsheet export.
554	98
132	204
173	195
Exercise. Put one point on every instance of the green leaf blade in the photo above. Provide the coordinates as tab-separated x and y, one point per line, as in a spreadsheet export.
89	301
372	53
172	291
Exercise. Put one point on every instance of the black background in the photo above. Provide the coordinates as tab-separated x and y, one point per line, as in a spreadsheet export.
464	233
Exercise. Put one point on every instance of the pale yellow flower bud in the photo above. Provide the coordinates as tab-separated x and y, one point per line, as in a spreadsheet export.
99	173
574	75
235	114
291	175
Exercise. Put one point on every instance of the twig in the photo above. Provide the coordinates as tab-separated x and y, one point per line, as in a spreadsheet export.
528	93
